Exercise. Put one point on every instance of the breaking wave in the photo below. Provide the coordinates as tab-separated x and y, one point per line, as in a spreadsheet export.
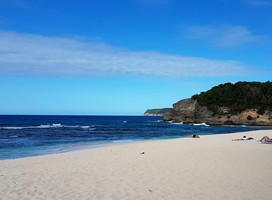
45	126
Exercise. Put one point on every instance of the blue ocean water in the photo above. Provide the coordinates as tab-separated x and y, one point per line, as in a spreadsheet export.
32	135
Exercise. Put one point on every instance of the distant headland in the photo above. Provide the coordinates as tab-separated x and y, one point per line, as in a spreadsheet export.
242	103
156	112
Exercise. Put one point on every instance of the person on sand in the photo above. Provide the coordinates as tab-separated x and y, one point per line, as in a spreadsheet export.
193	136
266	139
243	138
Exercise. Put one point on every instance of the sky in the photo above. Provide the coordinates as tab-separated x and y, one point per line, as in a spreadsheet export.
121	57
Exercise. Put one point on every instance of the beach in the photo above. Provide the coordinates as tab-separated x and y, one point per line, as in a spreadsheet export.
209	167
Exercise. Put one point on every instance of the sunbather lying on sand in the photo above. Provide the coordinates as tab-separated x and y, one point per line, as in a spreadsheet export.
266	139
193	136
243	138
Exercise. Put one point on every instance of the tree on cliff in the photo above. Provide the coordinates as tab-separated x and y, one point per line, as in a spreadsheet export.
237	97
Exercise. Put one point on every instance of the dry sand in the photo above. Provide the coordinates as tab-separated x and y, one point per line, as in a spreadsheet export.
211	167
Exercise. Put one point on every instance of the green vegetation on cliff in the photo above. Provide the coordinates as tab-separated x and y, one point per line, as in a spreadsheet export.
159	111
237	97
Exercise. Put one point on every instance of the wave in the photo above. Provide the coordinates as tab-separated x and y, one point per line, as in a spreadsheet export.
171	122
11	128
85	127
46	126
50	126
201	124
177	123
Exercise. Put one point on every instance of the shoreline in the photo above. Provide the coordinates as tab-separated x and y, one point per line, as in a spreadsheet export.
81	146
209	167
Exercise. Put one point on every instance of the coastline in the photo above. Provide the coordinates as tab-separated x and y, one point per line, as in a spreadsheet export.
211	167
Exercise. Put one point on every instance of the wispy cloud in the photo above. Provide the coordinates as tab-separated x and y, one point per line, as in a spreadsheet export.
30	55
223	36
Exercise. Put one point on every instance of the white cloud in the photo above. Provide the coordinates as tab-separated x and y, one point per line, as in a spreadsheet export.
222	35
30	55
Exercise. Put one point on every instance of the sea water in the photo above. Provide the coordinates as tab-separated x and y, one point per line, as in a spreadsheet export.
32	135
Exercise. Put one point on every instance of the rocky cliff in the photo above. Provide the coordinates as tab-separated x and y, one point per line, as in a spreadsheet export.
189	111
243	103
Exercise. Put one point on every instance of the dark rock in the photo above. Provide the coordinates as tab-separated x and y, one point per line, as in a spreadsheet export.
189	111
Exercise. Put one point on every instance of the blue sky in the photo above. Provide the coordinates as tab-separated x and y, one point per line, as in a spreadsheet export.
122	57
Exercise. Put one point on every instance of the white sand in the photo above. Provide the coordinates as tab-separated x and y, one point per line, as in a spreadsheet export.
212	167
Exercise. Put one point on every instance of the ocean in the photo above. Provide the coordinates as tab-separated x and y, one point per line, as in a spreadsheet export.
33	135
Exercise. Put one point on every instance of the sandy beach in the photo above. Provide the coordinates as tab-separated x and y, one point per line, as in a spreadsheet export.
211	167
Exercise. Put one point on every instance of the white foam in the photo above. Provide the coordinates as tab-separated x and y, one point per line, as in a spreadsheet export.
10	127
44	126
56	125
178	123
47	126
85	127
201	124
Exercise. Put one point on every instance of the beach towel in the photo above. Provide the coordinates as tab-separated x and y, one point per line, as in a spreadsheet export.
266	142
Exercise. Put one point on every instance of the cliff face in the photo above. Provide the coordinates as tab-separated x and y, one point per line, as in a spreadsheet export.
156	112
189	111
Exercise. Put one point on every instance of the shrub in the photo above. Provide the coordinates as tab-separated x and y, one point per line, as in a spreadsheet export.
237	97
